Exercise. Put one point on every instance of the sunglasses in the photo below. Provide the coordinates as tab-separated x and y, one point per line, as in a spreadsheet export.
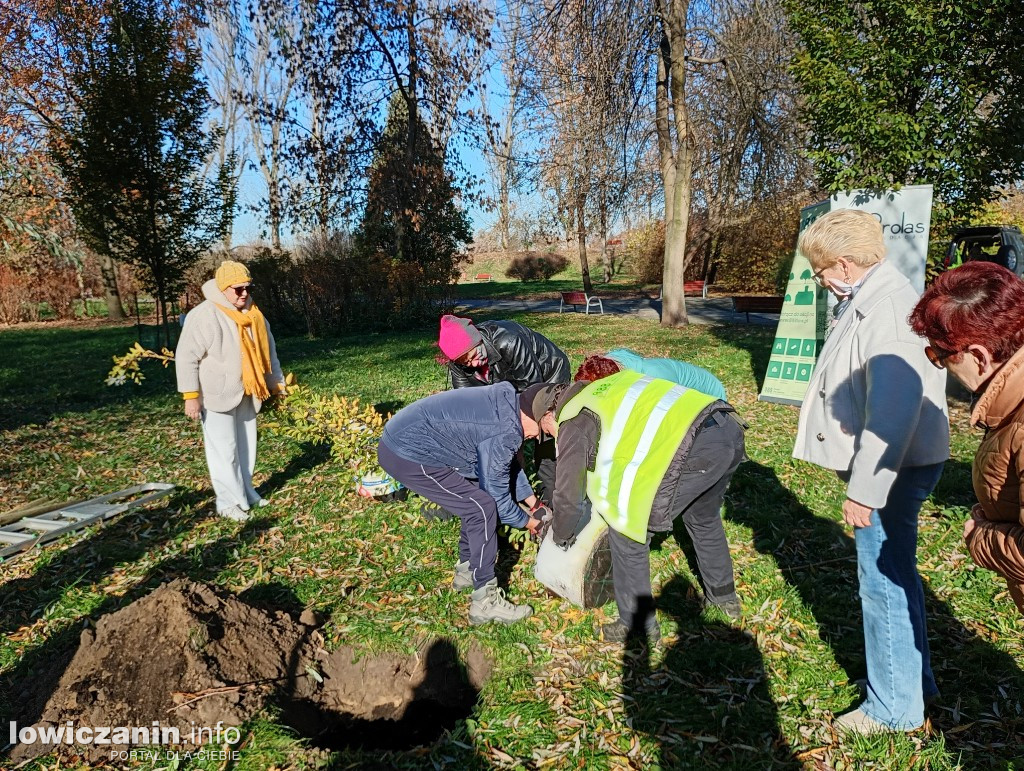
937	359
247	288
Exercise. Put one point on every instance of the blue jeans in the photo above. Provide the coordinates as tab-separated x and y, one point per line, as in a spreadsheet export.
892	599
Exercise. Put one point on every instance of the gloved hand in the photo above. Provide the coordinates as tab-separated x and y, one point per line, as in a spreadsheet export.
543	515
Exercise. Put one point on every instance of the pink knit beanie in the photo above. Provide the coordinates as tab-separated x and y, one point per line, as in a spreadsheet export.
458	335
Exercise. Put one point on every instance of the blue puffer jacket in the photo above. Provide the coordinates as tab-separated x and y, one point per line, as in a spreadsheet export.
681	372
475	431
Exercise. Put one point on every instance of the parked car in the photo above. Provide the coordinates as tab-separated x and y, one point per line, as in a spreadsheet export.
1002	244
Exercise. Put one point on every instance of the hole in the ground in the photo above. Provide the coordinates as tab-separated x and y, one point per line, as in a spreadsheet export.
386	702
189	655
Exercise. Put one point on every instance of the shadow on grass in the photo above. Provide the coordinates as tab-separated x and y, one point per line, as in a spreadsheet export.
49	372
956	487
756	341
982	687
310	456
707	704
509	554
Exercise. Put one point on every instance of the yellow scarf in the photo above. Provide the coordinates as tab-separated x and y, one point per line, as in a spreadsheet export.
255	349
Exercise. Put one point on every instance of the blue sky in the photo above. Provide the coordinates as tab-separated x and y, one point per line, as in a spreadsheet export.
249	226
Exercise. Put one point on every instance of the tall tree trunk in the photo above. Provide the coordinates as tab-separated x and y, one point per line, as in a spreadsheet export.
503	205
274	213
111	294
581	240
403	233
504	169
606	255
675	145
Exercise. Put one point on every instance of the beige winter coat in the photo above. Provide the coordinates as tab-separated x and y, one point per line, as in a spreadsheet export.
208	358
874	404
997	542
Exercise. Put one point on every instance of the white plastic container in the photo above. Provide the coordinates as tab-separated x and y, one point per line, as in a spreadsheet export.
583	573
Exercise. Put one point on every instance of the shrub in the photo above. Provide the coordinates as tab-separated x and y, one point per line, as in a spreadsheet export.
534	266
647	247
352	430
13	292
57	286
330	286
756	256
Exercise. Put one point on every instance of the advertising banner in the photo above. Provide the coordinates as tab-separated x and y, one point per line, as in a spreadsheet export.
801	329
906	218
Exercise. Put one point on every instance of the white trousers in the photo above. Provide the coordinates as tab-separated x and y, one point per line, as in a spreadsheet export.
230	442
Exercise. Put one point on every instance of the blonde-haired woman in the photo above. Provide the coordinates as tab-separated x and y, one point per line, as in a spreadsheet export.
226	365
875	413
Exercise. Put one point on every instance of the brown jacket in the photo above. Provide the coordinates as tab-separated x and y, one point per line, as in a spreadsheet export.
997	542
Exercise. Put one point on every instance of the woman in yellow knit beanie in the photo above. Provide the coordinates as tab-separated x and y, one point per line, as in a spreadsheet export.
227	367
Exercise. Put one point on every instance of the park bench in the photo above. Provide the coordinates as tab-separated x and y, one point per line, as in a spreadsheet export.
692	288
579	298
765	304
695	288
483	276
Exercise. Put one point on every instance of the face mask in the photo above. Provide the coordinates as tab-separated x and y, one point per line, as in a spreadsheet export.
840	288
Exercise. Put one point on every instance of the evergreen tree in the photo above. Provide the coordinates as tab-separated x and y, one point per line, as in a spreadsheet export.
412	221
133	151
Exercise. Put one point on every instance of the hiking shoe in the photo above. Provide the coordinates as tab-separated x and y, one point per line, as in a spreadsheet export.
856	722
236	513
730	606
431	510
463	577
617	632
489	604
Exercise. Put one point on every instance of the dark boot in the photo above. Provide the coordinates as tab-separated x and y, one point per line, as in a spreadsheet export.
729	605
617	632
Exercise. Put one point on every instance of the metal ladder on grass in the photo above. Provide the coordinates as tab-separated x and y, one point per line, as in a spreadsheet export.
32	531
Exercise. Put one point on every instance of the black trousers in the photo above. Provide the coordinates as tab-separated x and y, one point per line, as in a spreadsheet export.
475	508
717	451
544	463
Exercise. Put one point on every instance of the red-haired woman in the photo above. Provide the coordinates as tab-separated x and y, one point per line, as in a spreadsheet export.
973	318
681	372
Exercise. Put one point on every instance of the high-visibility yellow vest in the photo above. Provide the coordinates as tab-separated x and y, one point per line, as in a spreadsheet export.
643	422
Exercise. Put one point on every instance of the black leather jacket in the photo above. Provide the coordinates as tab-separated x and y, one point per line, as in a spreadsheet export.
516	355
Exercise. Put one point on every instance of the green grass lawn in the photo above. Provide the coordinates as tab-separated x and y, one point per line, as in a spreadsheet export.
715	695
501	287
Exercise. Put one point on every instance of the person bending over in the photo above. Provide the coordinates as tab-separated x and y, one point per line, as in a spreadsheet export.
458	449
642	451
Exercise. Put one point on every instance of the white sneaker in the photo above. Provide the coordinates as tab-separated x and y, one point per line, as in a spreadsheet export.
236	513
856	722
262	502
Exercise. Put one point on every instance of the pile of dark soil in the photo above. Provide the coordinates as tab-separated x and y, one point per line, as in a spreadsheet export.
191	657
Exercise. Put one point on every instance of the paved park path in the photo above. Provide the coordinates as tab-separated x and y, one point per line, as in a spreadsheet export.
711	310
